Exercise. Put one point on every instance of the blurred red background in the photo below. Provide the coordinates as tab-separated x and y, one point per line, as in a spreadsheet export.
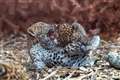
17	15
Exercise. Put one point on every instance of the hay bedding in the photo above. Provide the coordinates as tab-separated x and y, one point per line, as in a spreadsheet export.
14	53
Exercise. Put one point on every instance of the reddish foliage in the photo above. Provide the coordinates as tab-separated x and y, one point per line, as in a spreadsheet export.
104	14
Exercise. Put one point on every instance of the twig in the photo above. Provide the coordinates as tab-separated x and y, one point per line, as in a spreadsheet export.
67	78
53	73
85	76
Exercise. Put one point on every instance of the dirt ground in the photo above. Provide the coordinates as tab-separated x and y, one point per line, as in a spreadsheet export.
14	50
17	15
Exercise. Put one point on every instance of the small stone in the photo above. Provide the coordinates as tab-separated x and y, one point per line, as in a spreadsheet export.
114	59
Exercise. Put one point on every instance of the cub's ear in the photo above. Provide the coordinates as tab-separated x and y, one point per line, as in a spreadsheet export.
75	25
79	28
29	31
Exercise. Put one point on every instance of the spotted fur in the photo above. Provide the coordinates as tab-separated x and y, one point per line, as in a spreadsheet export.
65	32
71	54
39	33
43	57
79	32
38	28
68	33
